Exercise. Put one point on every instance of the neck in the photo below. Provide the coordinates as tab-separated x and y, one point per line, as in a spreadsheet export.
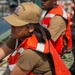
54	6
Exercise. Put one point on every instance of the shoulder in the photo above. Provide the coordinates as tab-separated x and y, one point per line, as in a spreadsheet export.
30	58
57	17
11	39
11	43
32	54
29	55
58	20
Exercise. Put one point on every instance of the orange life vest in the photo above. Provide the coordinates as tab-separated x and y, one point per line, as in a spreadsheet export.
58	44
32	43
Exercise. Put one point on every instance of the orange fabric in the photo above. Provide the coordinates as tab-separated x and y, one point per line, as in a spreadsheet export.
59	43
13	59
57	11
68	35
46	22
60	68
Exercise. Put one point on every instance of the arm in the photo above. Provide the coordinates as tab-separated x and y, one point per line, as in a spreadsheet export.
25	63
19	71
57	27
7	48
33	61
4	51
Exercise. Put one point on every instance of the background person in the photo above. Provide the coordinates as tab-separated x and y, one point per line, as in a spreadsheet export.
69	10
56	20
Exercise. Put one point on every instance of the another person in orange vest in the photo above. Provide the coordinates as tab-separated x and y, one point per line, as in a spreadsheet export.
70	12
58	24
31	51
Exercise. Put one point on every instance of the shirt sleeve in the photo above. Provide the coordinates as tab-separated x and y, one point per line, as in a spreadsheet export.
57	27
11	43
27	60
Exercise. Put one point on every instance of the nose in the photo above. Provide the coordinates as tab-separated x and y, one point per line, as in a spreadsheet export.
42	2
12	27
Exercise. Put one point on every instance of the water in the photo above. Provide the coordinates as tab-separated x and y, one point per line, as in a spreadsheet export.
4	26
4	34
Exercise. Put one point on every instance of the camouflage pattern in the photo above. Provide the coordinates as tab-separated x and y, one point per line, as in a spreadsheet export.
68	59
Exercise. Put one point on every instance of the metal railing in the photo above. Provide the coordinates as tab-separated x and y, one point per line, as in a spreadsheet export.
4	8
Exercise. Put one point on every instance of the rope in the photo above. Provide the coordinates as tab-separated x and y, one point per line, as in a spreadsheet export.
2	63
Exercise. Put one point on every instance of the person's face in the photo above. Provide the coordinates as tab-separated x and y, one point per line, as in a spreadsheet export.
19	32
47	4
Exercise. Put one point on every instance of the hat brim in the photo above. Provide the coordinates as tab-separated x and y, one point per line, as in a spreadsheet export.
14	21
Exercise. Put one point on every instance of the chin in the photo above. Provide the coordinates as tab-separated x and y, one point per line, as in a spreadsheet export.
14	37
43	8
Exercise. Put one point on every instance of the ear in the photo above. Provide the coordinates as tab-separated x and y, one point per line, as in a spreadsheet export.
31	29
